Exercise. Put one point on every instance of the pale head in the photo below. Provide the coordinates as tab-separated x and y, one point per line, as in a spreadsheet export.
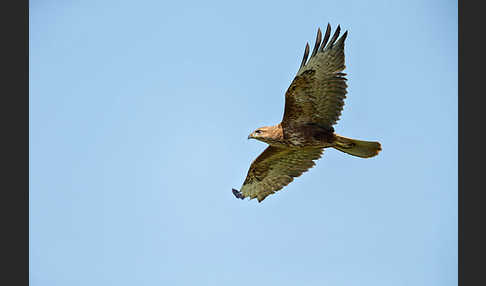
262	133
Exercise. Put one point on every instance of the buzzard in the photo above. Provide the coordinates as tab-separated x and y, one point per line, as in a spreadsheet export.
313	104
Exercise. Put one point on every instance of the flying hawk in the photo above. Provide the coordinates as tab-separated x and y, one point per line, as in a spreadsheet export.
313	104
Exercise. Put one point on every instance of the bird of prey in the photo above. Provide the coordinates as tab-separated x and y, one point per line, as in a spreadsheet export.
313	104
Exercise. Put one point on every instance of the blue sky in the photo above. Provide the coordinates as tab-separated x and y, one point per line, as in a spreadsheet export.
139	114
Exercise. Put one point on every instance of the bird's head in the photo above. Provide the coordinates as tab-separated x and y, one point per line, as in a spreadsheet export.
261	133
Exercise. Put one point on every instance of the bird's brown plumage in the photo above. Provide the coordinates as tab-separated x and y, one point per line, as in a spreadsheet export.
275	168
313	104
316	95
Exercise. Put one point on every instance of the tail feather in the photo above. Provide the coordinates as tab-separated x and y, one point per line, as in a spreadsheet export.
359	148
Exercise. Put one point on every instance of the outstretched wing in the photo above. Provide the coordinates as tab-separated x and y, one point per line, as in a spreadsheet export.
316	95
275	168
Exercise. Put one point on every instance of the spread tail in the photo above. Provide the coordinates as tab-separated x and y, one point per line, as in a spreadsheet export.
359	148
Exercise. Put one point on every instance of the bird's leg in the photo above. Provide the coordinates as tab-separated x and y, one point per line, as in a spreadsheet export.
238	194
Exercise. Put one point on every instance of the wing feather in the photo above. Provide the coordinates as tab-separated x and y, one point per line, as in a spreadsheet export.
334	37
326	37
318	42
306	54
317	93
275	168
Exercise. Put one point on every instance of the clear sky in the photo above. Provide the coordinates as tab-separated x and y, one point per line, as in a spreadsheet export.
139	117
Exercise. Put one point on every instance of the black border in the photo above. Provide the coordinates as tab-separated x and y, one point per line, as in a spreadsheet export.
15	141
471	118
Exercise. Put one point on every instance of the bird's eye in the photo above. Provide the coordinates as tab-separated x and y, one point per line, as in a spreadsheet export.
258	131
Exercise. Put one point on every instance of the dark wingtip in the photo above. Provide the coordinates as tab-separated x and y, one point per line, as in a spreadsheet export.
343	37
318	42
335	36
237	194
340	42
326	37
306	54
